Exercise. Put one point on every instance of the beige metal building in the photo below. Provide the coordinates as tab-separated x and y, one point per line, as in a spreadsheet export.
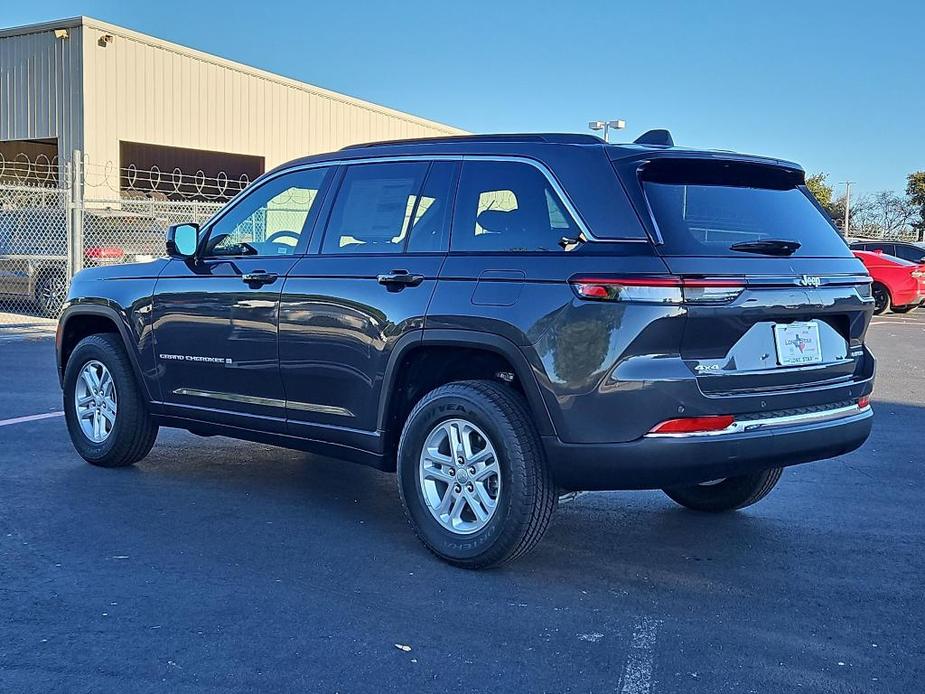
124	99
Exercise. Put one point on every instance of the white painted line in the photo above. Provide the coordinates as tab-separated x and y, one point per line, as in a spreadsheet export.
30	418
637	675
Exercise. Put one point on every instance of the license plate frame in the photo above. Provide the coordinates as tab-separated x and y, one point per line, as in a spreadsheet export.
797	343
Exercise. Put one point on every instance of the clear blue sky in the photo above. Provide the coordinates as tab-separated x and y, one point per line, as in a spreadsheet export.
837	86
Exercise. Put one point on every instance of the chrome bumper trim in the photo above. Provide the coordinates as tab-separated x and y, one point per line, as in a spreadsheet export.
771	423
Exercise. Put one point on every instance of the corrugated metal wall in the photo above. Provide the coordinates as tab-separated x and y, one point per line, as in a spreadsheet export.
41	89
91	93
141	89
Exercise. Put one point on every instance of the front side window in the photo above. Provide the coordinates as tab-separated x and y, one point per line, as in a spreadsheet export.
429	228
374	208
271	219
508	206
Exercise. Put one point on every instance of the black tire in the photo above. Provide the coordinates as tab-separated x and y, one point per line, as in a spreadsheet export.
731	494
50	293
882	299
134	431
527	494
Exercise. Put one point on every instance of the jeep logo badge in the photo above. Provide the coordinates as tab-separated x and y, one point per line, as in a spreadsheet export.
810	281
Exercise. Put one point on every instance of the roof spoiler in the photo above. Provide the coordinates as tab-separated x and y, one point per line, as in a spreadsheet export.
655	137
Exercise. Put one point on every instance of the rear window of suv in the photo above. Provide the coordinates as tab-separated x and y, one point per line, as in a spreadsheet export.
703	207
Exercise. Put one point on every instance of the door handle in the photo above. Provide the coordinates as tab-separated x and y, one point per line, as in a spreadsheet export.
398	279
259	277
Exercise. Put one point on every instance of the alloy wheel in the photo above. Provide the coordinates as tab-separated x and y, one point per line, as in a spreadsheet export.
51	294
459	476
96	401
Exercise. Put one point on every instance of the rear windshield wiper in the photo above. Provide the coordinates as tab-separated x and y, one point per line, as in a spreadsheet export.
767	247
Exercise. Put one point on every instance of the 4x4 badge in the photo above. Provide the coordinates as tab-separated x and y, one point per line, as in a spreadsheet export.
810	281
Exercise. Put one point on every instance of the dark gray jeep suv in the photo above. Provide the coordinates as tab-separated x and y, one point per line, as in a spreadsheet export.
499	319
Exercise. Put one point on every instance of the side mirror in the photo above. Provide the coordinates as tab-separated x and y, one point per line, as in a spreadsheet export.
182	240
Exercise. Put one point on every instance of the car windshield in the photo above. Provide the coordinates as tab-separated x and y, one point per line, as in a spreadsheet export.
716	208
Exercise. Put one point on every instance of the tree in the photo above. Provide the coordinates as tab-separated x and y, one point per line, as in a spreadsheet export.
883	214
915	191
819	187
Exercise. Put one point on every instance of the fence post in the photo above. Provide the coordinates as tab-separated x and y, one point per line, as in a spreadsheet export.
75	229
68	205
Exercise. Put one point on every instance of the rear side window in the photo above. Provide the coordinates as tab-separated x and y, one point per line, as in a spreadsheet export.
910	252
374	208
508	206
704	207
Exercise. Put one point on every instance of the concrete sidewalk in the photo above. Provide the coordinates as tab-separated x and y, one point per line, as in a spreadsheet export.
18	326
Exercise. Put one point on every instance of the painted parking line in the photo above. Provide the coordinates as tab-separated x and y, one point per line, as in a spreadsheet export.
29	418
637	675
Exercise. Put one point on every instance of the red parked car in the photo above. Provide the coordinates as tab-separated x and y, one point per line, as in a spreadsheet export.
898	284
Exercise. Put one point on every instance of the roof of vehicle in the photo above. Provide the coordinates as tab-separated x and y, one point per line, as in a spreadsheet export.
533	145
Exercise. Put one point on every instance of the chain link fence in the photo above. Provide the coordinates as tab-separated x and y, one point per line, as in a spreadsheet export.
58	219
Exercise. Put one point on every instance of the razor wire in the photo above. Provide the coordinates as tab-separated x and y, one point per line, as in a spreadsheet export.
56	219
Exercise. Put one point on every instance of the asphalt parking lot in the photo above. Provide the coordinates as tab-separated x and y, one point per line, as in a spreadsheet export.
219	565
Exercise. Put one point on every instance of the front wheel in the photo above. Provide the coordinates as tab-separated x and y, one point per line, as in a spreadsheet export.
728	493
472	476
106	413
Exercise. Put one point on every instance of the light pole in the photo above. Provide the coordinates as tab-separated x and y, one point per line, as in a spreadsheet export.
847	185
606	125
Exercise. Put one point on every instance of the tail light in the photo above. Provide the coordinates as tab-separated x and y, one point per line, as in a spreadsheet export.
658	290
104	253
863	402
693	425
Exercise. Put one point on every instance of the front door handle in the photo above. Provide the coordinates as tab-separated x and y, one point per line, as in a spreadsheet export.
259	277
398	279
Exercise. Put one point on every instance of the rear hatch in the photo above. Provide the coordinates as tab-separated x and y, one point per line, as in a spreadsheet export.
791	308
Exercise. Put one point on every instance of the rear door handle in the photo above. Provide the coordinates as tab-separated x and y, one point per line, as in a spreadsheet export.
397	279
259	277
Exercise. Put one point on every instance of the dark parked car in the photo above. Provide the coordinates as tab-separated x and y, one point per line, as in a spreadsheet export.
907	250
498	319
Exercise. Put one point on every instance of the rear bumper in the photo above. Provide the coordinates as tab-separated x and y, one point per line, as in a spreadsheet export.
658	462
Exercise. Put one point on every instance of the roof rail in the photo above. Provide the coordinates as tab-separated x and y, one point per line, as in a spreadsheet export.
550	138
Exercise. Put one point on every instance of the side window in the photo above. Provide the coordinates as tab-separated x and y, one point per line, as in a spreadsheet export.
374	207
271	219
508	206
908	252
431	222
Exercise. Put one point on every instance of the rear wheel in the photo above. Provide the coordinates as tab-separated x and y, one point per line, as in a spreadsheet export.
472	476
50	293
728	493
882	299
106	413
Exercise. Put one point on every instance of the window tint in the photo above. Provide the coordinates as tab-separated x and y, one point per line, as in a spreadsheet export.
508	206
374	207
432	213
885	248
704	207
909	252
270	220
